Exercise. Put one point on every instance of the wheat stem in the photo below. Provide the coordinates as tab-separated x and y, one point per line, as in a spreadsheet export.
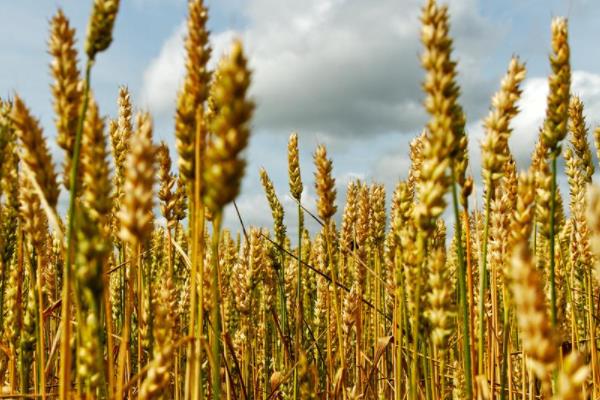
298	338
65	364
462	288
483	279
552	240
215	317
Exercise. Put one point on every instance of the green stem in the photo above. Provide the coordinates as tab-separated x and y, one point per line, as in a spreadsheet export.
216	317
398	327
421	249
33	286
200	259
199	247
122	286
65	367
282	302
298	339
505	338
426	365
336	300
442	368
552	229
190	363
3	278
483	277
267	349
462	289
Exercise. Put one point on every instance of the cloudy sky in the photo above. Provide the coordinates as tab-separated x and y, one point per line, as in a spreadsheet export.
340	72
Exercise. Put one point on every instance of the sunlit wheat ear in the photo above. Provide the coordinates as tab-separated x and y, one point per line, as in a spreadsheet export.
557	112
159	372
543	181
579	139
498	233
497	124
100	27
10	212
294	167
96	181
166	191
136	212
230	129
433	185
447	122
521	223
401	209
35	152
136	224
12	324
577	236
439	310
532	314
121	133
269	275
349	218
324	185
362	229
9	190
32	216
539	155
275	205
246	276
194	91
179	200
378	214
445	138
67	86
438	239
403	223
441	102
576	179
349	312
416	160
510	182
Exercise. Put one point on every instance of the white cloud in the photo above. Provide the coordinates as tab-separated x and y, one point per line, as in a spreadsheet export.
332	69
254	210
533	109
393	164
345	67
164	75
529	120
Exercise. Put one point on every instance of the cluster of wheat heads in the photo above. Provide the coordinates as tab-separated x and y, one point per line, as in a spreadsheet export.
108	303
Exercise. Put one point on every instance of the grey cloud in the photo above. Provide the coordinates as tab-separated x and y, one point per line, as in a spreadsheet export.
356	71
345	67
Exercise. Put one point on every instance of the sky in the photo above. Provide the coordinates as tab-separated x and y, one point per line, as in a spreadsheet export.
344	73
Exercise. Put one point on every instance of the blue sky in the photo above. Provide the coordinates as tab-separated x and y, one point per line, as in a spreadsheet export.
340	72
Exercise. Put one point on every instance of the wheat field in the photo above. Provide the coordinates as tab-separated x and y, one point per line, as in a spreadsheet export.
384	302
